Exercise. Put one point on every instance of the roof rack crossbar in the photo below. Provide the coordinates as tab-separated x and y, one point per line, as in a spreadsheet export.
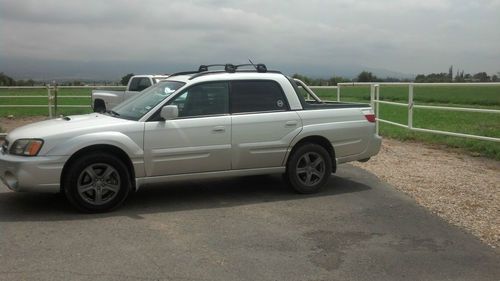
237	71
229	68
204	67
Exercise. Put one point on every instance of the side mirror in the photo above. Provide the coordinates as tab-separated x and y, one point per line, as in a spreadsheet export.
169	112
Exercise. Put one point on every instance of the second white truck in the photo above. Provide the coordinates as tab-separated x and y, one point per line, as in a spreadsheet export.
103	100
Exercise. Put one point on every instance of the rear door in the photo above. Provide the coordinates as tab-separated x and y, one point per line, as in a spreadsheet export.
263	126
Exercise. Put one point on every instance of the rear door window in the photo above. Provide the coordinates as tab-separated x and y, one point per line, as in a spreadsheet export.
257	96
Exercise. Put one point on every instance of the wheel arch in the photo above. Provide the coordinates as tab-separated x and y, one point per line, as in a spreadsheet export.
104	148
99	101
321	141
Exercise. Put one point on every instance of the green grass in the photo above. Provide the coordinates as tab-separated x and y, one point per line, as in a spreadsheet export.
486	124
43	100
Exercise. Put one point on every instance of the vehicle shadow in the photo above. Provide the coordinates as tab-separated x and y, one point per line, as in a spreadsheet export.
174	197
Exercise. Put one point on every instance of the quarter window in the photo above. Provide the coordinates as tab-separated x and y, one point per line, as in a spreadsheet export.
255	96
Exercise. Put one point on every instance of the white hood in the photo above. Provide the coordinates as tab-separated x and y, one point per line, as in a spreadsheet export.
68	126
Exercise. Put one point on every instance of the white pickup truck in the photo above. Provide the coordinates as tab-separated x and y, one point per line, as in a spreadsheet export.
191	126
105	100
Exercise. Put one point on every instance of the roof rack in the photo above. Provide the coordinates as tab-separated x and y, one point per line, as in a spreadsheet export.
228	68
223	71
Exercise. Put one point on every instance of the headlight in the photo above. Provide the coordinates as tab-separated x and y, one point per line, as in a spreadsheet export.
26	147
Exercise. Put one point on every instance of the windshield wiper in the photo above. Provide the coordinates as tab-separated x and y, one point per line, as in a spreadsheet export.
114	113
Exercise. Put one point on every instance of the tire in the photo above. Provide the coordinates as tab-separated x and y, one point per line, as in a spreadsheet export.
308	168
97	182
99	106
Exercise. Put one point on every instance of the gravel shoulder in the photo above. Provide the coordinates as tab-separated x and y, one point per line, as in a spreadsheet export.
462	189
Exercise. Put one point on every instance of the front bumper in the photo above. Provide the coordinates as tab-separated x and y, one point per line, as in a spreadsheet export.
33	174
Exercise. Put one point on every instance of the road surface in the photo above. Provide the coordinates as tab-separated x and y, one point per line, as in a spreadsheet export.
248	228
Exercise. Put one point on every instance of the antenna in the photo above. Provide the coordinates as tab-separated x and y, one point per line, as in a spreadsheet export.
252	63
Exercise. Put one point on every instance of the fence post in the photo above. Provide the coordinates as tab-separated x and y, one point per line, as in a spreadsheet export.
49	101
372	95
55	99
338	92
377	106
410	106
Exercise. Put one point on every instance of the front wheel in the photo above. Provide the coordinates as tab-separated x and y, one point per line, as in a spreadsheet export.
308	168
97	182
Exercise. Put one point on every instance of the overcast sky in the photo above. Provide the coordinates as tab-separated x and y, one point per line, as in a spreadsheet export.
107	38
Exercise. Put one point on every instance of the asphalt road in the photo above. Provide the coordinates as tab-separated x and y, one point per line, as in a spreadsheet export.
240	229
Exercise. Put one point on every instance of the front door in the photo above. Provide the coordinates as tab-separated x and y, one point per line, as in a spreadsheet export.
198	141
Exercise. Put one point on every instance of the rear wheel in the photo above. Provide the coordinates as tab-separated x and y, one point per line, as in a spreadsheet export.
99	106
308	168
97	183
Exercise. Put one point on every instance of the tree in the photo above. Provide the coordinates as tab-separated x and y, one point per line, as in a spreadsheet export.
450	74
494	78
334	80
6	80
460	76
481	77
467	77
366	76
126	78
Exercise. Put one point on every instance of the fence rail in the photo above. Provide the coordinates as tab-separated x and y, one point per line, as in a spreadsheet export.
374	101
51	96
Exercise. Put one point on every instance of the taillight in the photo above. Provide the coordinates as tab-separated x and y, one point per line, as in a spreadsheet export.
370	117
368	113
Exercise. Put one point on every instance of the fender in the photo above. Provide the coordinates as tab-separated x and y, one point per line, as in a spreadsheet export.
68	147
110	98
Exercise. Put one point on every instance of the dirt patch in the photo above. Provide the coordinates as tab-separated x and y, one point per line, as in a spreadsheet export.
8	124
462	189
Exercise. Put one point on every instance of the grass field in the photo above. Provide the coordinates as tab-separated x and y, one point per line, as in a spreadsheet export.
486	124
463	95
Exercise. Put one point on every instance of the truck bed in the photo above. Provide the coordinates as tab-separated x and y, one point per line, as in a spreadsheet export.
311	105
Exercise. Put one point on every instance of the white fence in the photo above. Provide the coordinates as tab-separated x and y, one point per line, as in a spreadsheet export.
374	101
50	97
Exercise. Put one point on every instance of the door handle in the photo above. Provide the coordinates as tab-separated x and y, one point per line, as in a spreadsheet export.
291	123
219	129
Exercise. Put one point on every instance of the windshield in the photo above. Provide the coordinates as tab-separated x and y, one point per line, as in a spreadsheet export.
137	106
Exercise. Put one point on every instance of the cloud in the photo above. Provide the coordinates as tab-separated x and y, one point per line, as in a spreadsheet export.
411	36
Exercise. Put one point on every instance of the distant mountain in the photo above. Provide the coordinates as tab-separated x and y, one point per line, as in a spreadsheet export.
346	71
48	70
